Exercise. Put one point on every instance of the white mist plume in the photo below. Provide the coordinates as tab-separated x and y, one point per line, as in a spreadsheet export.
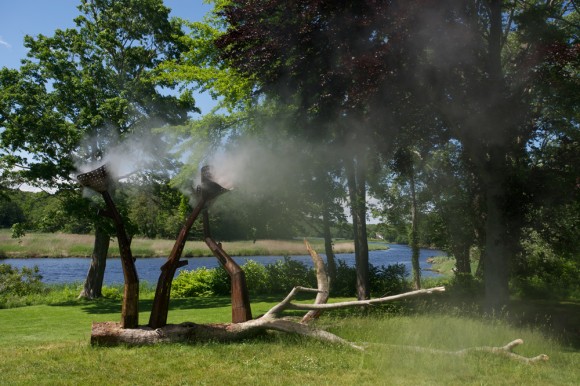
131	155
254	167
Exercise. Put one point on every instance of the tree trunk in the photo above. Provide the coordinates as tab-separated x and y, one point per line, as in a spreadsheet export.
330	258
461	253
94	280
496	275
414	231
356	178
496	267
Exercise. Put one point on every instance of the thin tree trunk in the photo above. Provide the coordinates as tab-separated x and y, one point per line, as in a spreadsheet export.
93	286
357	193
330	258
414	232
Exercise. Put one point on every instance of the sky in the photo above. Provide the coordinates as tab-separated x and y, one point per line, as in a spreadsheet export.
32	17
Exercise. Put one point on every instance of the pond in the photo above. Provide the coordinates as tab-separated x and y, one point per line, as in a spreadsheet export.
71	269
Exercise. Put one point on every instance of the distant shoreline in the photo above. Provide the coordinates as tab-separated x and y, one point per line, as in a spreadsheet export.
64	245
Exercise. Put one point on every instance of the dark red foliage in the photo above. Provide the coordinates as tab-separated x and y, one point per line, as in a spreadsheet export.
331	55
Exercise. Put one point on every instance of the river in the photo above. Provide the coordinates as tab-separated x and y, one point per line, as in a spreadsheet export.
71	269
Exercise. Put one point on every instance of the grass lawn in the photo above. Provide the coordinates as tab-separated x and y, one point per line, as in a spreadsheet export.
70	245
49	345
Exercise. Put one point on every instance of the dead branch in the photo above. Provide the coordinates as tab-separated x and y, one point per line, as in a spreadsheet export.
321	279
287	304
506	350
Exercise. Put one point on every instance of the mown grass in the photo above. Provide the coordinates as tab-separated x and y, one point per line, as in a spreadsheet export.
69	245
49	344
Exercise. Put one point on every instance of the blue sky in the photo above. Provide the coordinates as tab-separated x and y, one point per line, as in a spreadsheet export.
32	17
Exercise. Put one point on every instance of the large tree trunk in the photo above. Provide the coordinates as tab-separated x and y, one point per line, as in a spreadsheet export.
496	275
93	286
496	267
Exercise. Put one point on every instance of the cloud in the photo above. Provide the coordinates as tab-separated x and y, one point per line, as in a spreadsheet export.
4	43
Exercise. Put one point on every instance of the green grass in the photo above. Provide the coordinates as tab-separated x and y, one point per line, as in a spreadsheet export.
49	344
72	245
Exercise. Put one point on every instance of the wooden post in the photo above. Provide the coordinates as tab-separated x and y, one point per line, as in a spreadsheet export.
160	308
130	308
241	310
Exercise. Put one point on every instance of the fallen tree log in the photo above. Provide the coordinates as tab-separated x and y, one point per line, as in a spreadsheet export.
110	334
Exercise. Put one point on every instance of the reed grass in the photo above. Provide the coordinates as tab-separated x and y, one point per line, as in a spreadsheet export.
72	245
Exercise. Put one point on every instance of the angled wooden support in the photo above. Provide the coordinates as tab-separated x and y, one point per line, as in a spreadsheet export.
241	310
130	307
158	317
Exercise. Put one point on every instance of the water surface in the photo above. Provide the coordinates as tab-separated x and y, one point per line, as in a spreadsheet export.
72	269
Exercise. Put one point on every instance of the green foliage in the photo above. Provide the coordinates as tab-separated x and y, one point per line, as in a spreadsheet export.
540	272
549	279
257	277
285	274
18	230
279	277
195	283
112	293
16	283
383	280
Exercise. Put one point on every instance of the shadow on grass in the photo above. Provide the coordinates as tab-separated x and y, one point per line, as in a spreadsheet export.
108	306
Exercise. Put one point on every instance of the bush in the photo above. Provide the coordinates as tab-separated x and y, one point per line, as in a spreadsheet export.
257	277
15	283
549	279
283	275
345	283
384	281
389	280
287	273
196	283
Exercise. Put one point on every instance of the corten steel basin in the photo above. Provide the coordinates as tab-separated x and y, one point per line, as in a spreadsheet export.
98	179
209	188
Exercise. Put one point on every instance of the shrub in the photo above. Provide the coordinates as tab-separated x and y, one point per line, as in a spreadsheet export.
383	280
287	273
345	283
283	275
389	280
112	293
256	277
15	284
26	281
549	279
196	283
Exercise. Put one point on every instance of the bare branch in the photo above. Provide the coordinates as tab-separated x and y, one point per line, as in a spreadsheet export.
506	350
321	279
354	303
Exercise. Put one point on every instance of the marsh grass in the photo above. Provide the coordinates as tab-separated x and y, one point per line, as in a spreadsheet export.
49	344
72	245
